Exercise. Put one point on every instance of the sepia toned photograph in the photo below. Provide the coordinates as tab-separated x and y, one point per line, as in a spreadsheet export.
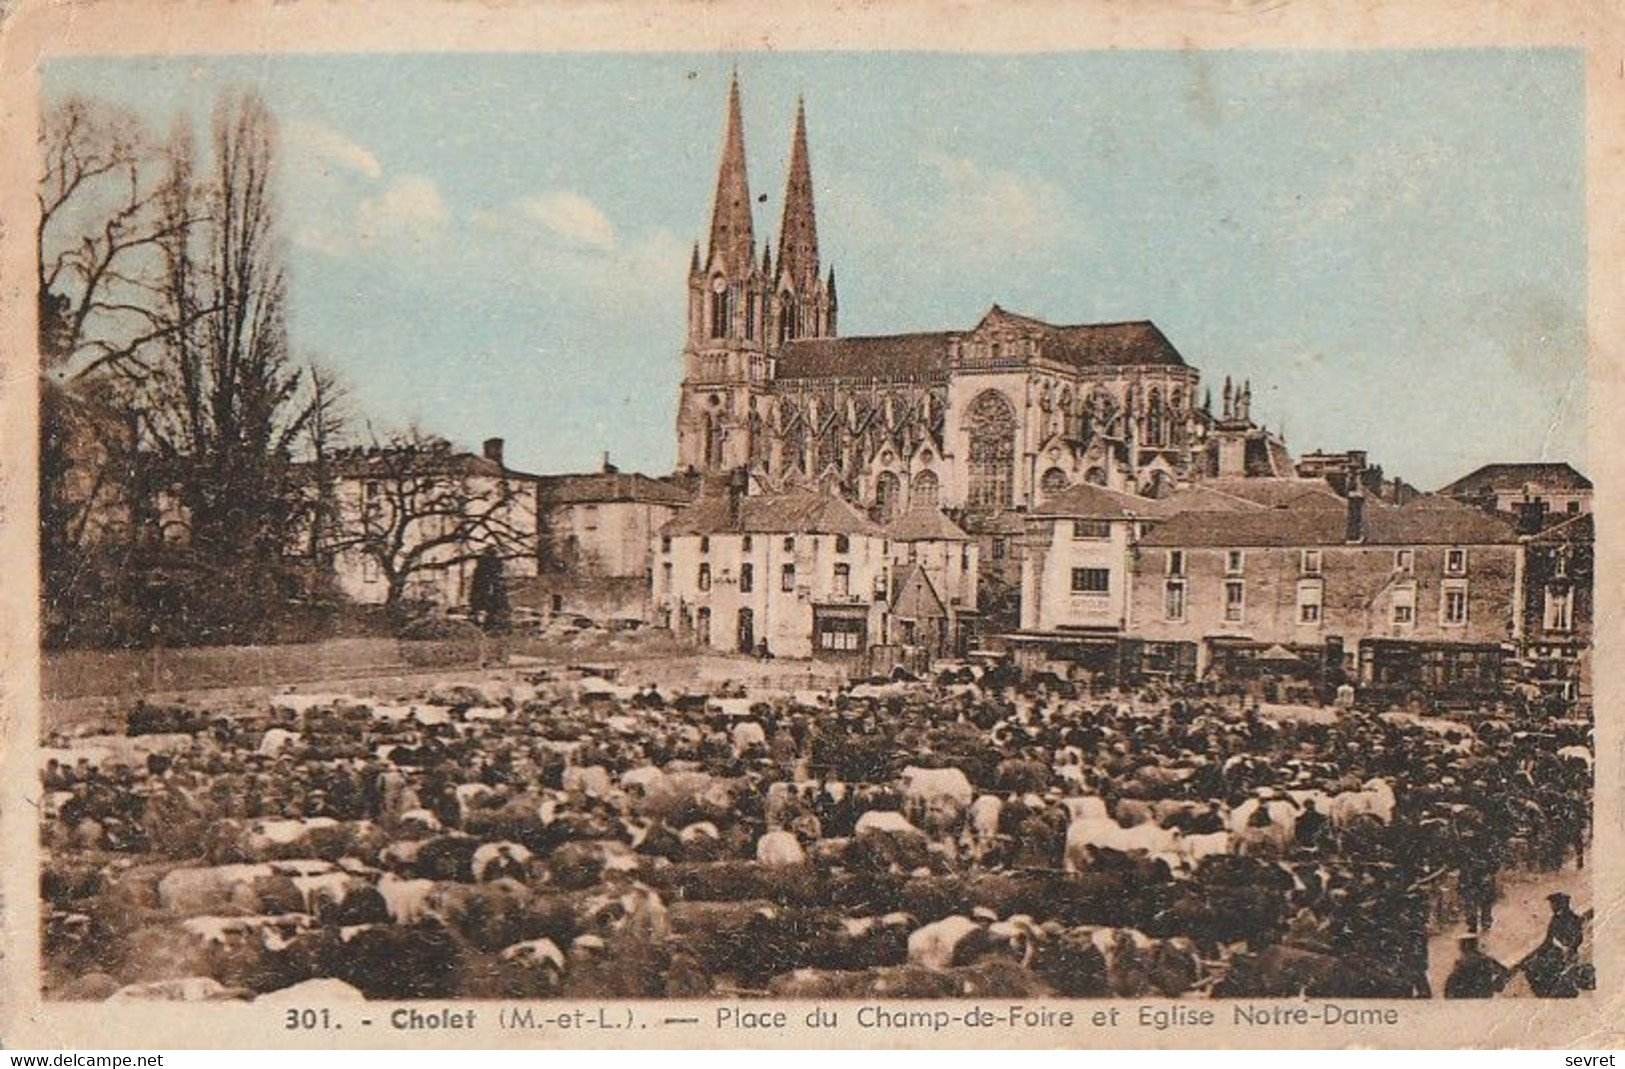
819	526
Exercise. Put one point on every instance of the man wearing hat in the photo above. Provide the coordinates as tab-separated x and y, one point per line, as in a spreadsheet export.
1476	974
1553	968
1565	929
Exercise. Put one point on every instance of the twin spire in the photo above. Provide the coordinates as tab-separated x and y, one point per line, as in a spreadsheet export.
733	238
732	229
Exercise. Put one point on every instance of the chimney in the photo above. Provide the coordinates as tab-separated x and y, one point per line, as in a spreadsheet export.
607	467
1531	516
493	451
1355	529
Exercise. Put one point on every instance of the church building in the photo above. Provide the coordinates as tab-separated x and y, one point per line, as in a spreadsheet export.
1001	415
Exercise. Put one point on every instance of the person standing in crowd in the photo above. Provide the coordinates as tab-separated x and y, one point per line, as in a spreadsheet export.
1554	969
1475	974
1477	876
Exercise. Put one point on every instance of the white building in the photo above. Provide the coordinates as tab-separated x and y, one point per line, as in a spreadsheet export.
409	524
934	573
800	571
1075	568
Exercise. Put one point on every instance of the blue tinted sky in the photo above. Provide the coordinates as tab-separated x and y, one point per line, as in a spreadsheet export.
1390	245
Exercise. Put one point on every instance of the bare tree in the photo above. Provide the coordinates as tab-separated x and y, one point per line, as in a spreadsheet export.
224	406
97	243
98	240
325	433
423	509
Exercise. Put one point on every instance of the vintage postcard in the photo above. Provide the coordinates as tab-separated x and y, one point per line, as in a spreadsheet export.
898	525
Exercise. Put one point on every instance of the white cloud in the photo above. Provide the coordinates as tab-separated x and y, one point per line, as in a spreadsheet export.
411	208
570	219
986	211
570	216
650	268
1374	188
320	147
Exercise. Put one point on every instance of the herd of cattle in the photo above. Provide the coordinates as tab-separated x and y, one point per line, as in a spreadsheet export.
565	836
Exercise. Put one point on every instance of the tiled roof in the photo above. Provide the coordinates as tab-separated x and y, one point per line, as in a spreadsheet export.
1437	502
1130	344
926	355
1005	521
1088	501
789	512
914	596
1553	476
1276	492
886	356
1198	498
1565	528
386	463
604	487
925	525
1312	525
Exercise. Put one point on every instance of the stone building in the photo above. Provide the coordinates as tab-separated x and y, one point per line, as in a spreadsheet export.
415	521
1422	597
595	530
1505	487
1559	576
798	572
933	584
995	416
1077	548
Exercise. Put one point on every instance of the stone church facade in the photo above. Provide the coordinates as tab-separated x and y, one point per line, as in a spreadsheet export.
999	416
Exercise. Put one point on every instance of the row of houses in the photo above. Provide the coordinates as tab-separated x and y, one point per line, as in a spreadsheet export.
1283	575
1310	576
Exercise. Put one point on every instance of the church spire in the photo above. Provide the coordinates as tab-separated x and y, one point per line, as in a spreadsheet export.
732	239
798	237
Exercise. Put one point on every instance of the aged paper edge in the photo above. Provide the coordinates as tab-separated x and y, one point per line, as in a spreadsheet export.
35	29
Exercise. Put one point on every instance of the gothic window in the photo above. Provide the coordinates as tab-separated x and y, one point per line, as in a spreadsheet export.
888	489
758	440
1095	476
992	423
1098	414
787	318
750	317
925	491
1053	482
722	299
1153	418
798	448
713	442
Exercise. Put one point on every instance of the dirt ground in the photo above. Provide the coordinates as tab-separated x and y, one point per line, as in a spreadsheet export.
1520	921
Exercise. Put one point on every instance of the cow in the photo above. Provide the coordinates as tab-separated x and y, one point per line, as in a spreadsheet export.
499	860
1374	799
748	736
955	940
778	849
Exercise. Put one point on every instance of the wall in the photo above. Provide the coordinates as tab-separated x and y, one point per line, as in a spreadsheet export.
1541	572
359	580
952	566
1050	553
604	539
1358	585
784	619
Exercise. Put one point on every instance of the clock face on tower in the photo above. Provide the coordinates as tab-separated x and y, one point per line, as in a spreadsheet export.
718	284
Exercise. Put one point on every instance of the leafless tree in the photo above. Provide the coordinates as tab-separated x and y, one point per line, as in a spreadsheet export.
225	406
424	509
326	431
98	241
97	244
